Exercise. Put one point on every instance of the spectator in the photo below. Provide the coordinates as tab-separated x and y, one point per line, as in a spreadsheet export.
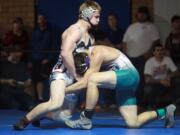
173	40
15	80
138	40
173	48
39	61
16	36
114	33
158	76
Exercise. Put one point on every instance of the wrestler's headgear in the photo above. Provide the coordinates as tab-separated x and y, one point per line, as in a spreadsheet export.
81	61
87	13
87	9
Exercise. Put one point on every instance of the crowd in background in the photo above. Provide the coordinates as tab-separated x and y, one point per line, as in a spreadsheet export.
27	58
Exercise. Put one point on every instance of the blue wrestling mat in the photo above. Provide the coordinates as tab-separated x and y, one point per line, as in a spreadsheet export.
104	124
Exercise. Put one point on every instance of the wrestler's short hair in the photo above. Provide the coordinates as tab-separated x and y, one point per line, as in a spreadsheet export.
81	61
87	9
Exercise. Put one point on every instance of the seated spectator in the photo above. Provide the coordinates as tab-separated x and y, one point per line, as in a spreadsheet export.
14	81
16	36
158	75
39	61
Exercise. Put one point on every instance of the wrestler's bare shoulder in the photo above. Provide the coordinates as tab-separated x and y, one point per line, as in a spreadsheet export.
71	30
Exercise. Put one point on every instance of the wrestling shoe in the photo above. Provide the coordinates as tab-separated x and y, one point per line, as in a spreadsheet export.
169	119
82	123
64	117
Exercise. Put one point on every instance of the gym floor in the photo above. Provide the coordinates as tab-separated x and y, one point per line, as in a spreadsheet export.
104	124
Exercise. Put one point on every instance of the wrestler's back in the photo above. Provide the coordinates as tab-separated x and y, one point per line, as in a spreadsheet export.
108	53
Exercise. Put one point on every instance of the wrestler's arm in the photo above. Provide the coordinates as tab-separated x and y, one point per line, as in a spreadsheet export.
68	45
95	64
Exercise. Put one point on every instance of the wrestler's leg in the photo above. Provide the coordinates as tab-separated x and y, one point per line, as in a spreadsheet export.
65	112
100	79
57	90
129	114
127	101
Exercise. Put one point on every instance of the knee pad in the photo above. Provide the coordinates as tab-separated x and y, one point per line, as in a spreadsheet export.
71	97
70	101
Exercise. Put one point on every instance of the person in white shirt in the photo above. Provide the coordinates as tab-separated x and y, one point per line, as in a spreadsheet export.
138	40
159	71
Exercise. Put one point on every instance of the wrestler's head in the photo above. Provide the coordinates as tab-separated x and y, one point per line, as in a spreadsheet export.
90	12
82	62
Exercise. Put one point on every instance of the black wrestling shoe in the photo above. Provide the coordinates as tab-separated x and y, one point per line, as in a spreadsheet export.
169	119
21	124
